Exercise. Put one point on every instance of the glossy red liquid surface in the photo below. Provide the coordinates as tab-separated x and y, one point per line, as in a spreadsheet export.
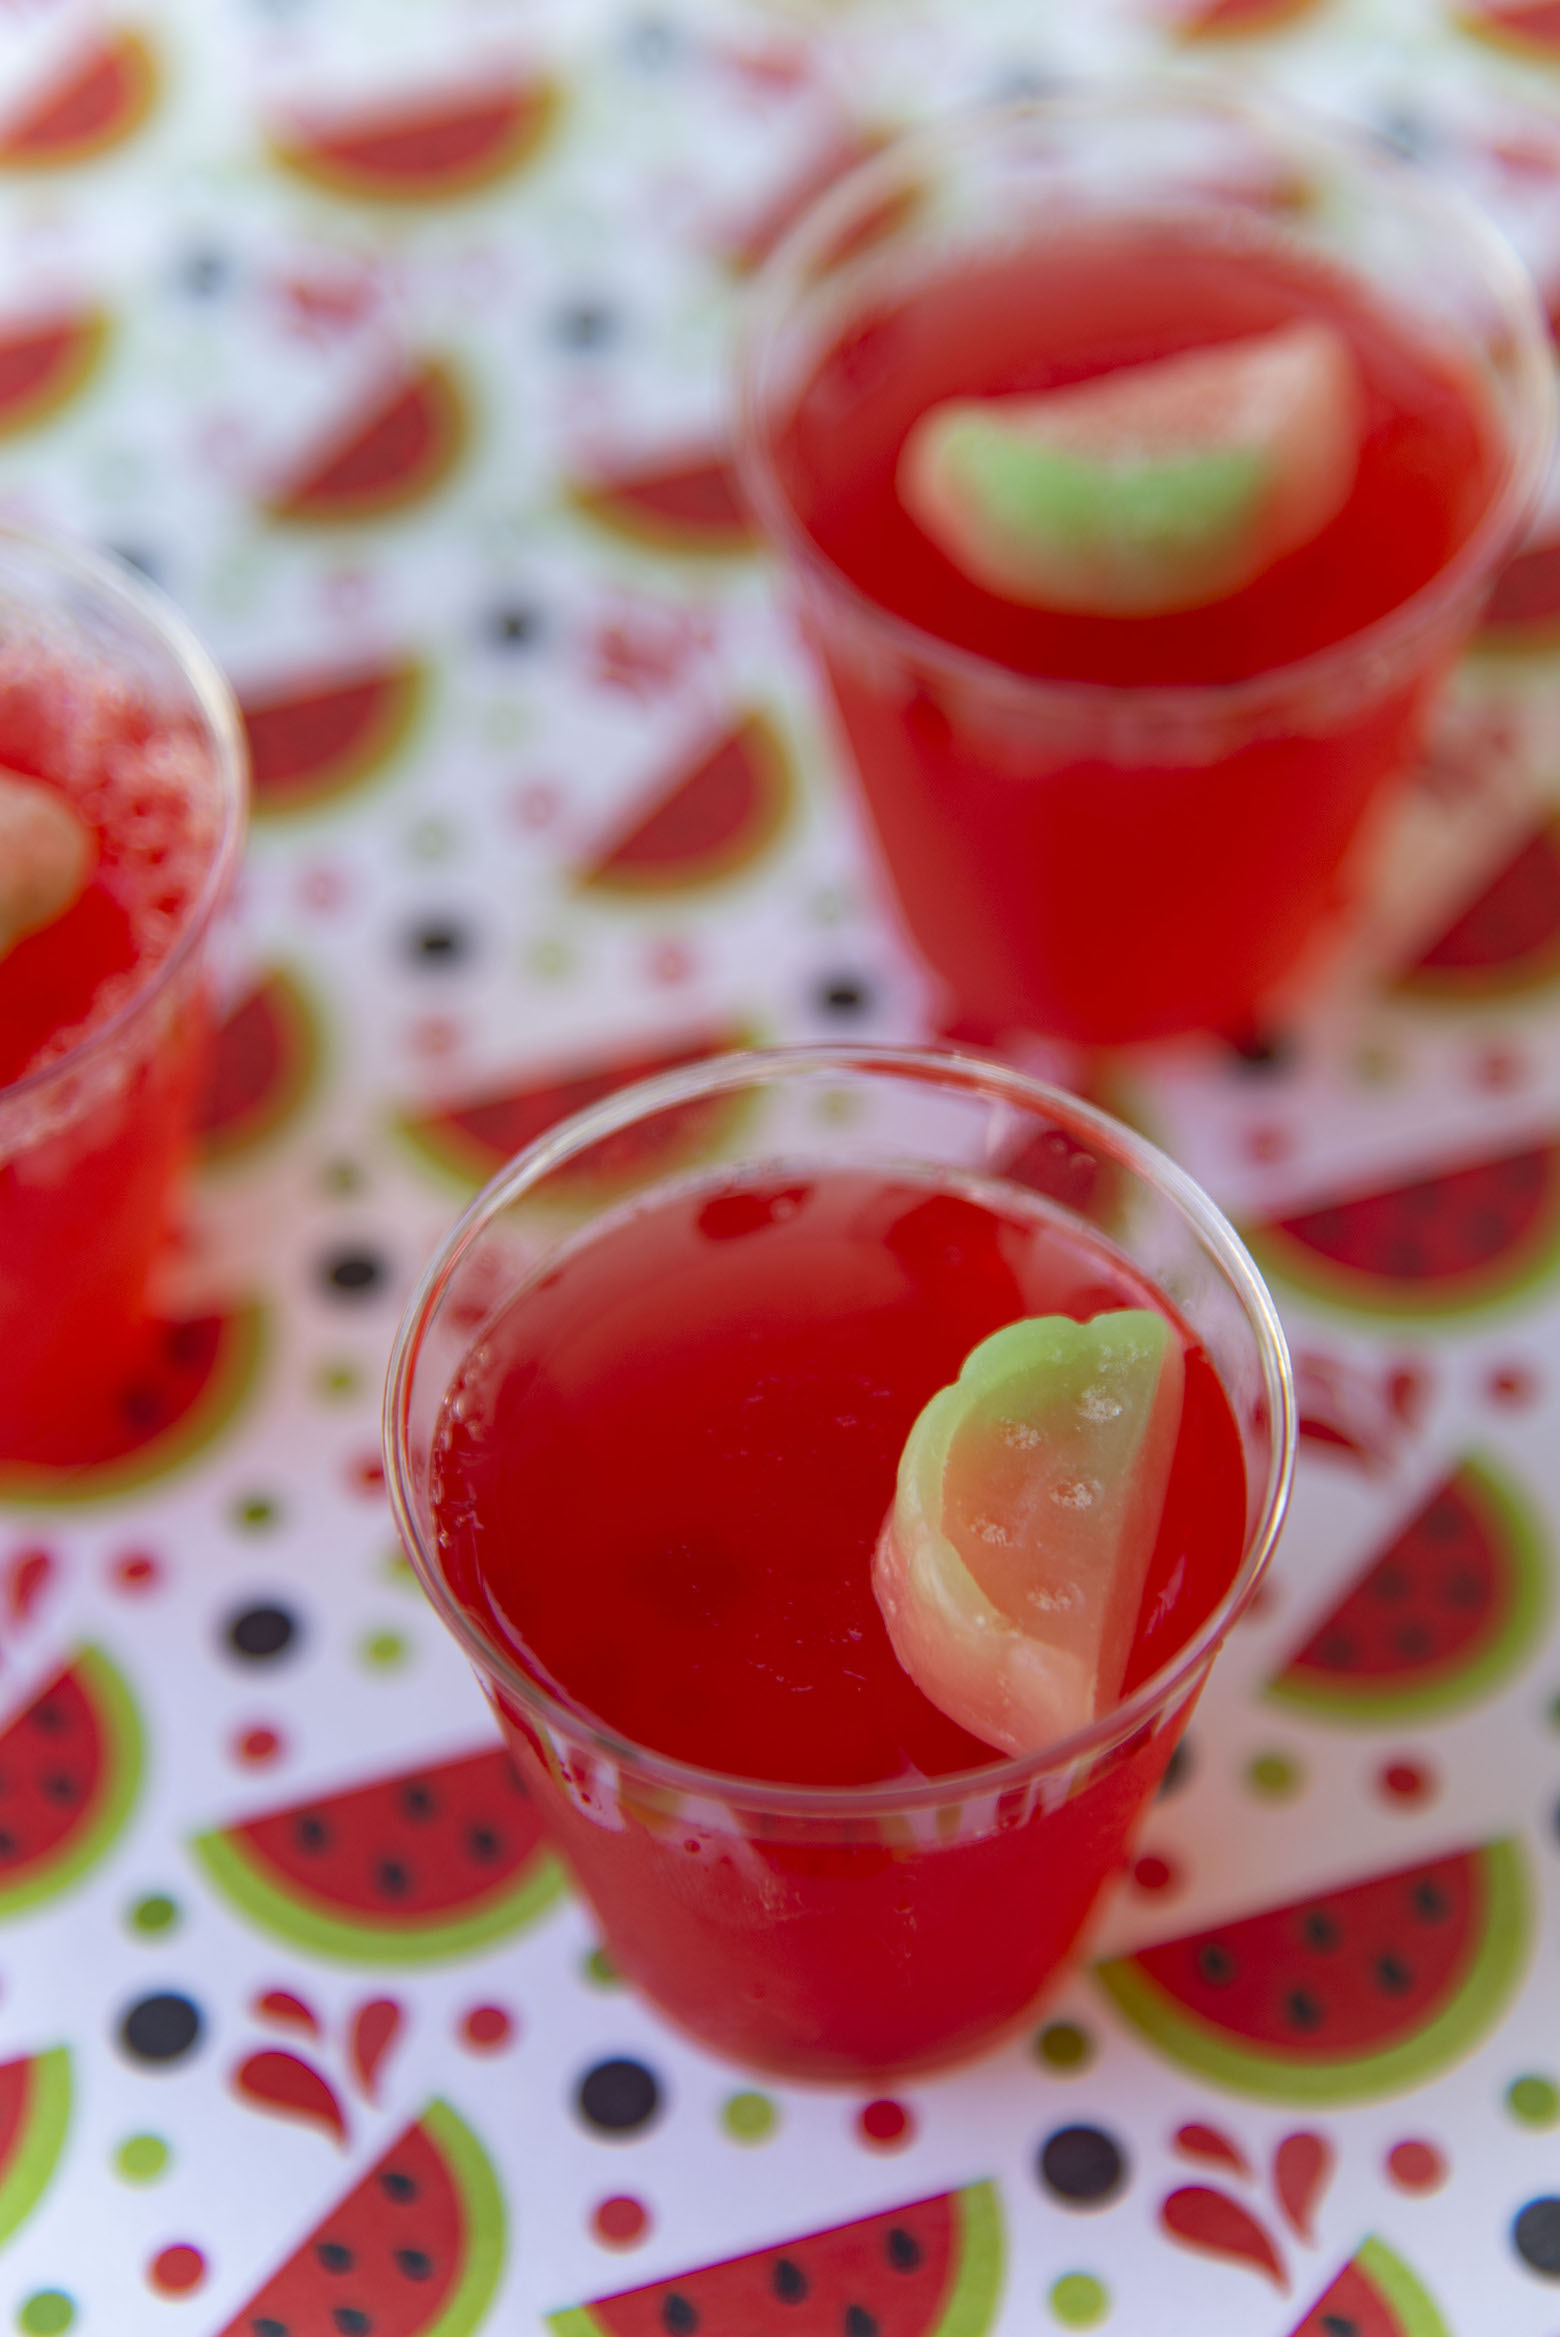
87	1167
659	1484
1052	878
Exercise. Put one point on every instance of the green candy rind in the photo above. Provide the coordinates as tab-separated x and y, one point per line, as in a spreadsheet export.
1263	2074
1429	1696
1026	493
1414	2313
45	2121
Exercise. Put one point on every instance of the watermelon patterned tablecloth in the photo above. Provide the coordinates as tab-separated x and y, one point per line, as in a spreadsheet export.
390	337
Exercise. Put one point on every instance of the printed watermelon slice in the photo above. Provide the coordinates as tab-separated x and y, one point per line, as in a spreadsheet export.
401	444
35	2098
1449	1245
70	1769
1455	1602
932	2269
313	741
185	1383
1523	610
415	2251
1375	2295
424	150
1350	1994
691	503
430	1863
1507	940
1227	19
44	364
1527	28
711	818
470	1142
102	98
263	1063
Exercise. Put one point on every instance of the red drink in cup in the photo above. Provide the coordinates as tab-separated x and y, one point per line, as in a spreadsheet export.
644	1430
1119	751
121	813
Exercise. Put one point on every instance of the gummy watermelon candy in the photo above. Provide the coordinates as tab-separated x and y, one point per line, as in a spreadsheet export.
311	742
183	1385
70	1770
35	2099
43	365
707	820
1375	2295
431	1863
1507	940
1451	1605
932	2269
415	2251
263	1062
1350	1994
470	1141
1448	1245
424	150
690	503
402	444
103	96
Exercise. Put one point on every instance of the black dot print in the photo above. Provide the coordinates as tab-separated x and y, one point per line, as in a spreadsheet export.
514	627
261	1634
618	2097
441	942
1081	2166
160	2030
1177	1770
1260	1051
203	274
351	1273
844	994
585	324
1536	2237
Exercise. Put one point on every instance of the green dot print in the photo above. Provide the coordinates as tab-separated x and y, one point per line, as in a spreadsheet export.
46	2314
749	2117
600	1970
337	1381
1534	2101
255	1511
1274	1776
154	1915
142	2158
342	1176
384	1651
1554	1712
1063	2046
1079	2301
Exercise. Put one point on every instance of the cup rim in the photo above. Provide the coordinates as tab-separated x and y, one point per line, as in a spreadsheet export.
1531	439
115	581
719	1075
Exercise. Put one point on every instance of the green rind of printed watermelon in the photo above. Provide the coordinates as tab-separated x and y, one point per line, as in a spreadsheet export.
34	2154
291	1029
438	154
693	507
1494	1284
966	2308
1501	946
1533	33
101	105
367	719
1430	1694
1412	2307
1230	20
482	2203
371	471
447	1142
1245	2068
235	1367
41	370
1396	2303
724	836
279	1907
121	1769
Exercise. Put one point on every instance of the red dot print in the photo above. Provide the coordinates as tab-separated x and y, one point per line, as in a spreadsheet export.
1406	1782
1512	1385
1416	2166
323	889
136	1571
1269	1143
537	805
367	1474
256	1746
620	2223
670	962
1153	1873
177	2271
886	2125
1498	1068
487	2028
